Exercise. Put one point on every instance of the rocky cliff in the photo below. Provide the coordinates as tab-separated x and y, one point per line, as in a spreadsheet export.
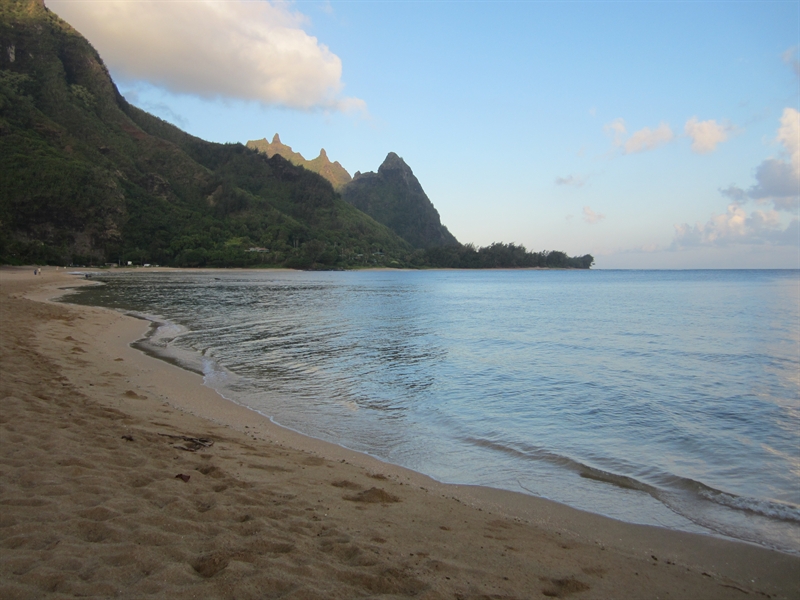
394	197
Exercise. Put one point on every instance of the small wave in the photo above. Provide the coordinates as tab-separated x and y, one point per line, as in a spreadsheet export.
765	508
214	375
157	342
621	481
663	488
583	470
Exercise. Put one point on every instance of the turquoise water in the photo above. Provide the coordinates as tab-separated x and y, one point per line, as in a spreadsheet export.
669	398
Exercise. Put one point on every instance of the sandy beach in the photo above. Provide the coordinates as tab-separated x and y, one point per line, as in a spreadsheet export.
123	476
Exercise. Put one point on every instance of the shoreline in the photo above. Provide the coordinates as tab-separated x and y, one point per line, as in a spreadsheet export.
98	363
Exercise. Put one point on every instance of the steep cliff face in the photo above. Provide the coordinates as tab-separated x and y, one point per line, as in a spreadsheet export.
52	83
332	171
394	197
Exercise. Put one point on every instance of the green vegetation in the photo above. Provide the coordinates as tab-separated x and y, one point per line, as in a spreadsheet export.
89	179
497	256
394	197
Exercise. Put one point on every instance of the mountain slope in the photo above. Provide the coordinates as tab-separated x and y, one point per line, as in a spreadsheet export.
89	178
394	197
332	171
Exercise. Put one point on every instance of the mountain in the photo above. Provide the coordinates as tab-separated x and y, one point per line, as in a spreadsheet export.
277	147
332	171
89	178
394	197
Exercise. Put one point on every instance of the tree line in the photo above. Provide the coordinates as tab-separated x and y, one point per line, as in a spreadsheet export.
497	256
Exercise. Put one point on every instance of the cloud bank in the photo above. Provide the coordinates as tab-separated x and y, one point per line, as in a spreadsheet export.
737	227
252	51
777	181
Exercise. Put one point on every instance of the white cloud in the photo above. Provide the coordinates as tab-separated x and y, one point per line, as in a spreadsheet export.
735	193
160	109
777	180
592	217
256	51
789	136
737	227
790	58
573	180
647	139
639	141
705	134
617	129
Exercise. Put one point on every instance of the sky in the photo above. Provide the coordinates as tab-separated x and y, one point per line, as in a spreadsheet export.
652	135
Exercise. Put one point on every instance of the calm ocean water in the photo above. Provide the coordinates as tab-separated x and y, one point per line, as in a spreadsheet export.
668	398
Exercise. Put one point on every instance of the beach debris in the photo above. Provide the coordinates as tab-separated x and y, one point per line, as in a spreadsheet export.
344	483
373	496
183	477
127	437
191	444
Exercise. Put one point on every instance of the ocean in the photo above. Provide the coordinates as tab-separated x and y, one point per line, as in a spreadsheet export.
668	398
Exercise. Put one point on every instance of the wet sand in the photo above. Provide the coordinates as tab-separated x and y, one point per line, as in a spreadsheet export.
123	476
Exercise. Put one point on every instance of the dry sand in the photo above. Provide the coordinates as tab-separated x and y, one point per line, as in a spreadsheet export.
109	489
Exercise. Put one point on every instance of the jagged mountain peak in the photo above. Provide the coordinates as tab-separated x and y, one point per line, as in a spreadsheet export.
322	165
394	197
393	161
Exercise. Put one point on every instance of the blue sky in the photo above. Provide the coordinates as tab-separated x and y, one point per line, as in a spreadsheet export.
649	134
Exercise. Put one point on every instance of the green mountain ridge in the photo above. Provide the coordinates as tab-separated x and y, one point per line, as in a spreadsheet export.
87	177
394	197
